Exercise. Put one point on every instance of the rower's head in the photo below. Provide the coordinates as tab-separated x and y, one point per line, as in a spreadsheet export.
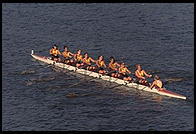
55	46
79	51
86	55
122	64
138	67
112	60
100	57
156	77
65	48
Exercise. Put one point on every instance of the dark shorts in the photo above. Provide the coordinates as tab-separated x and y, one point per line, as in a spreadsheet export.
85	66
53	57
112	71
68	58
145	82
99	68
79	62
76	62
66	62
138	79
122	76
156	87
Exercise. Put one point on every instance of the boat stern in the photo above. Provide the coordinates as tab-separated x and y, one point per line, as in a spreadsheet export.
32	52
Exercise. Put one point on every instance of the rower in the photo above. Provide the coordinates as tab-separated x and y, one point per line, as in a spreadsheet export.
87	62
157	83
139	73
78	58
113	68
100	64
54	52
67	55
123	70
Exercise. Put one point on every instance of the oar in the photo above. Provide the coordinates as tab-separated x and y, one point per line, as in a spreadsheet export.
170	80
117	86
71	95
74	84
109	72
130	66
83	67
153	72
80	82
27	72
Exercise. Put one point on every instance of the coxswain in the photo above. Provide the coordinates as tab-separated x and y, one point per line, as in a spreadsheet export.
54	52
123	70
157	83
112	67
100	64
87	62
139	73
67	55
78	58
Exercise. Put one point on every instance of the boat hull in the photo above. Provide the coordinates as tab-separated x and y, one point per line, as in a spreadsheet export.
107	78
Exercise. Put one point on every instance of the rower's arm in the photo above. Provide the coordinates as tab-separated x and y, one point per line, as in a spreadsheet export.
71	53
104	64
97	63
50	51
152	85
110	66
128	71
118	64
119	70
84	61
74	56
92	60
59	52
147	74
136	74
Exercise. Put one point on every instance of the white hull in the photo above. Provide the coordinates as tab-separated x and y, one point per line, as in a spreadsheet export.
108	78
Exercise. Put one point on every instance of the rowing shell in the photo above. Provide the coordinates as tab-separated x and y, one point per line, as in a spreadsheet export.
107	78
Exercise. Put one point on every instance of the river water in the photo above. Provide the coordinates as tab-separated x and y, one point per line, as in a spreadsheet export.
36	96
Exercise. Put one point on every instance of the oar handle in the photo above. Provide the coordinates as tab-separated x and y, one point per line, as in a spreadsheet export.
109	72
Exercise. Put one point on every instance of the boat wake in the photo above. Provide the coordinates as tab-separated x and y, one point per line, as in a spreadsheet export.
25	72
34	81
172	80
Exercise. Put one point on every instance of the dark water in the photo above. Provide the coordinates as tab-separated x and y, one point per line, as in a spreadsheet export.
36	96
